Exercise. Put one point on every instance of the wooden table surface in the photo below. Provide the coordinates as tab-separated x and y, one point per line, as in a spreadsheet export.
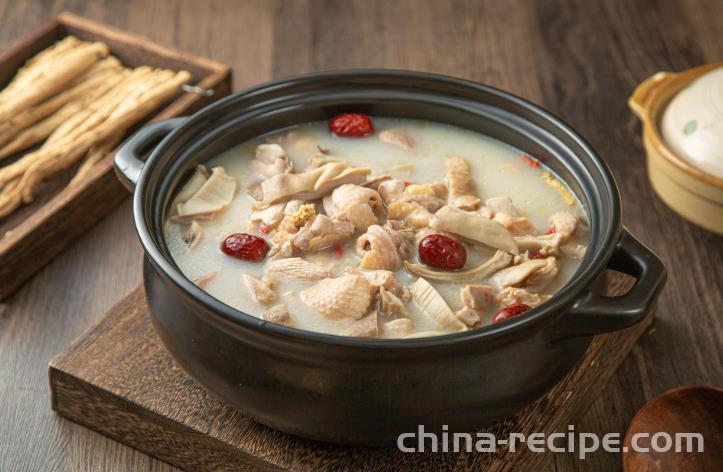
579	60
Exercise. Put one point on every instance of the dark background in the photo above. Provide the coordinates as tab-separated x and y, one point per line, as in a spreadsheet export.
579	59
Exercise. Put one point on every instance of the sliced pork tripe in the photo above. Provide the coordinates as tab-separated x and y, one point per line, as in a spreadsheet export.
323	232
366	327
260	290
271	160
213	196
271	216
474	227
278	314
193	185
309	185
383	247
462	189
296	268
354	203
546	245
347	296
397	137
498	261
514	295
533	274
434	307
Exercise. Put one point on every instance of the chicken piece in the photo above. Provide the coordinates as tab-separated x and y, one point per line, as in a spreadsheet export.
397	138
499	261
193	185
322	233
214	195
504	212
391	305
309	185
429	196
391	190
565	224
574	251
411	213
193	234
476	300
501	205
353	203
477	297
383	248
271	160
462	189
297	215
474	227
434	306
533	274
278	314
397	328
469	317
260	290
205	279
347	296
383	278
514	295
367	327
546	245
296	268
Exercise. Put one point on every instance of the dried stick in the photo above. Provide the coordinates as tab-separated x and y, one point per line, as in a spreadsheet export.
93	79
64	158
28	71
50	80
96	153
48	126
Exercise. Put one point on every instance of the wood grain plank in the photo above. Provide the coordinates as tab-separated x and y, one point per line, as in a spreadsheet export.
119	380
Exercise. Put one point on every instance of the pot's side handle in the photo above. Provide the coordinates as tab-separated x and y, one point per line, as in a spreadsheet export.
128	162
594	314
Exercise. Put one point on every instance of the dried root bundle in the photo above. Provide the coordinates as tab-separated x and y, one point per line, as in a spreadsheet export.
78	102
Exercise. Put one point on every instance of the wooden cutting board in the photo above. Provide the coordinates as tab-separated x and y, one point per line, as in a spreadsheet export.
118	379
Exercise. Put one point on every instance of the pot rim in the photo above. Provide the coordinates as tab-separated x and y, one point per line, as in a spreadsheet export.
230	317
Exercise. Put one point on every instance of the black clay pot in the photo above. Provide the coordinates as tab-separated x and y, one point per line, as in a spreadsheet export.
359	391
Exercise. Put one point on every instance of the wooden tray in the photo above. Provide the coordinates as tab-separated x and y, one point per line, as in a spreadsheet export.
36	233
118	379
